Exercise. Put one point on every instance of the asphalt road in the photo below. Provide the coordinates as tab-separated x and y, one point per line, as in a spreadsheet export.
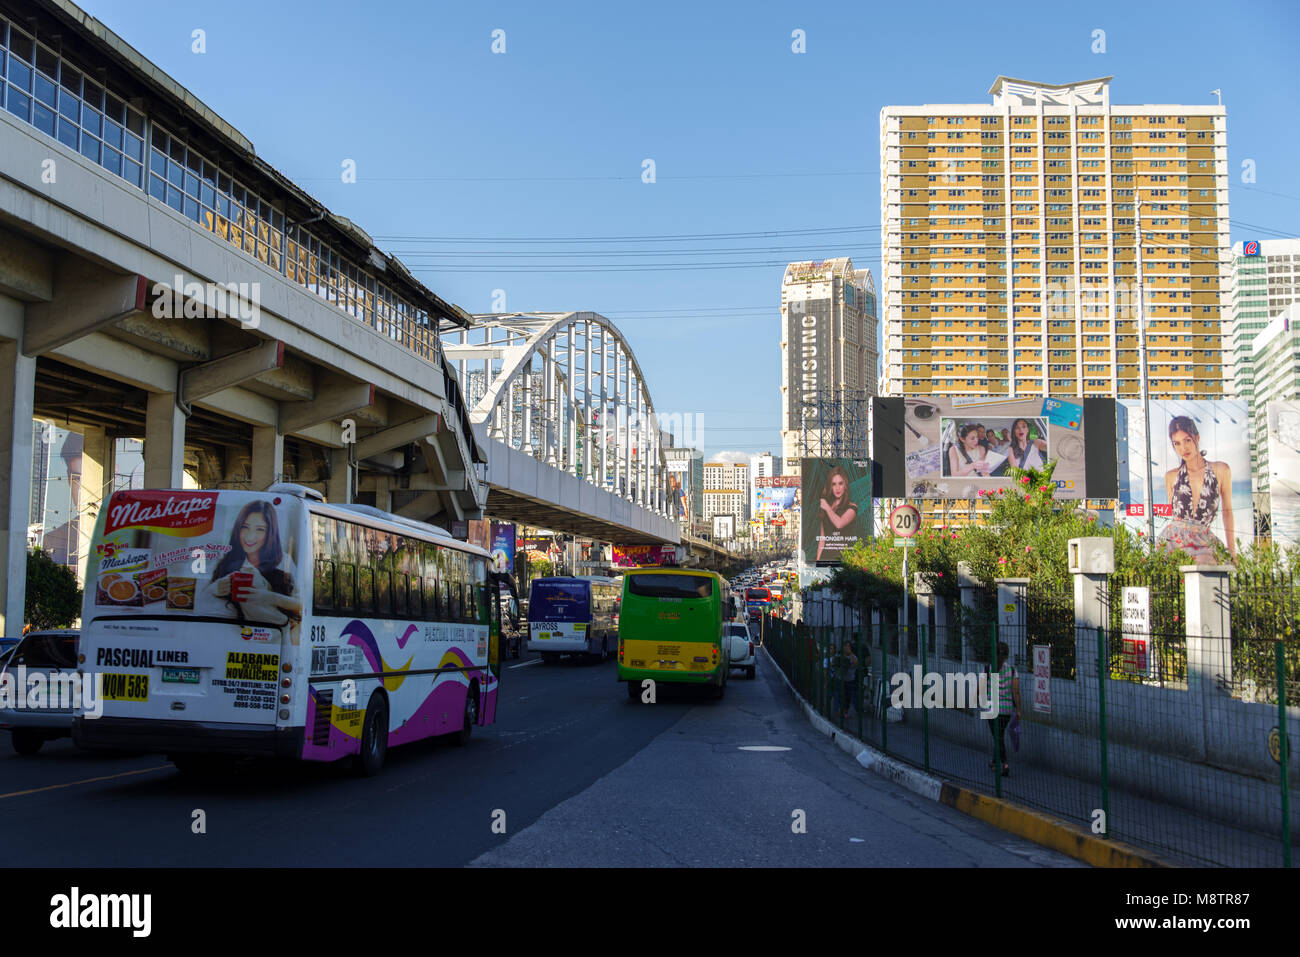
576	773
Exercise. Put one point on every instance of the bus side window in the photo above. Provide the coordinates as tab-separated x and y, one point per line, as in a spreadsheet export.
365	590
455	601
401	587
323	587
383	592
430	599
417	599
345	589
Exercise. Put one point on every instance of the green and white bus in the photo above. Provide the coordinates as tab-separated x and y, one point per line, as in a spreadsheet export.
672	628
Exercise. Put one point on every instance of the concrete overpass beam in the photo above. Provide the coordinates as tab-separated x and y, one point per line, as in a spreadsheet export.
211	377
268	457
86	298
334	404
164	442
15	475
26	269
397	436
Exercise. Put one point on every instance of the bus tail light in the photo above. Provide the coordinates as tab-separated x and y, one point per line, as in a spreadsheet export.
751	649
284	699
620	651
715	654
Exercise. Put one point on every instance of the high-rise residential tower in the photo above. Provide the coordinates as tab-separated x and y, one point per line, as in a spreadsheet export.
1265	280
1008	235
828	341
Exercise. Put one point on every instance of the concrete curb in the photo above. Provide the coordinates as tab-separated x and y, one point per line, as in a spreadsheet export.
1043	829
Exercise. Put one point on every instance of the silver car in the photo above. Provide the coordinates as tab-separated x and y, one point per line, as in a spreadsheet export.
45	652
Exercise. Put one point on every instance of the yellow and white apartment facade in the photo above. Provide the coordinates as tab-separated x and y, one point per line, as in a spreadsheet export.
1008	233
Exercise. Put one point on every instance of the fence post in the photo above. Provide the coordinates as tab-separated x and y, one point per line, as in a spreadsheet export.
861	674
997	714
1209	631
1103	669
884	671
925	712
1283	757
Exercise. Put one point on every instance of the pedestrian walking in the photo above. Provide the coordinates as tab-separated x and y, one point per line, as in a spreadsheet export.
1008	706
844	678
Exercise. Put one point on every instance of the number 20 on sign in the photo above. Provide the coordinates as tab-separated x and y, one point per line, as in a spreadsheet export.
905	521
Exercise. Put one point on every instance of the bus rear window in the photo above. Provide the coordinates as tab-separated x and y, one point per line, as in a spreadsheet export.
758	594
670	586
559	601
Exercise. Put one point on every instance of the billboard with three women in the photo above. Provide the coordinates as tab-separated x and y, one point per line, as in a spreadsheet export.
837	509
1200	465
956	446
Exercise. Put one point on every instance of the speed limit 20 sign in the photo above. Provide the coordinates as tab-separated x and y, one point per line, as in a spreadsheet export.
905	521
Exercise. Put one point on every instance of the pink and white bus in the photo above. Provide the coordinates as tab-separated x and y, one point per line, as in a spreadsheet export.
271	623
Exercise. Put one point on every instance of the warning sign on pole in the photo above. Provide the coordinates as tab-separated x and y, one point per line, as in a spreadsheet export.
1043	678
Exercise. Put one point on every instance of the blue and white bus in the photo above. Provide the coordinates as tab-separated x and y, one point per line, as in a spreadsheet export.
227	622
574	616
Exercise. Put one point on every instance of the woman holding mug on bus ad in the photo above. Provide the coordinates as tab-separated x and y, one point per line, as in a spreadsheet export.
256	576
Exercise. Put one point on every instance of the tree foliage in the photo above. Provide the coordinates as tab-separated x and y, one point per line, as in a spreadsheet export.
53	598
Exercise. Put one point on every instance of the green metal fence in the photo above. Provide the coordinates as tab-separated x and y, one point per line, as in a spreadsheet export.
1196	770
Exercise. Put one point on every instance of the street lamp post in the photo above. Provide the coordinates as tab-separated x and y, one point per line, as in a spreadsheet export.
1142	376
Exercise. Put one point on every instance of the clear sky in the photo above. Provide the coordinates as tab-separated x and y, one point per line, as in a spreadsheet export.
761	155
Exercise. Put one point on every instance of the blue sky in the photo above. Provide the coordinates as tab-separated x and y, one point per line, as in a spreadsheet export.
547	141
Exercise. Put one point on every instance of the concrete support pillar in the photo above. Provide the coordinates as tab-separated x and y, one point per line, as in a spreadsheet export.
95	486
15	479
1209	629
268	457
164	442
1091	562
339	490
940	625
1012	616
383	494
925	615
969	586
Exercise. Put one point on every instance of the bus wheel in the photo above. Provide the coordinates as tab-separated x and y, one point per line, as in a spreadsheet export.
471	718
718	691
374	737
26	741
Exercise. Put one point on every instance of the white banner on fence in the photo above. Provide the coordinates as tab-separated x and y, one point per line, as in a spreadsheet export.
1043	678
1135	632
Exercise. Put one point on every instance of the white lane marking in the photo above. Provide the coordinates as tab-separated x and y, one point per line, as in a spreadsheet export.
761	747
535	661
856	840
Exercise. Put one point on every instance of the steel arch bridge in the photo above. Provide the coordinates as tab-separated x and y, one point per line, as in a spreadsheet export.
565	389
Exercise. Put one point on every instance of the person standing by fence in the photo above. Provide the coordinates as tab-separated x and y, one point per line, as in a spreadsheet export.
1008	705
844	678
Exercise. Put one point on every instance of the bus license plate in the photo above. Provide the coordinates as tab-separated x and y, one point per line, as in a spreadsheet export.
189	676
125	687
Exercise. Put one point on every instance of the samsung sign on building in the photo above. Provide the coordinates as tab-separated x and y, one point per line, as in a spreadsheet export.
809	355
